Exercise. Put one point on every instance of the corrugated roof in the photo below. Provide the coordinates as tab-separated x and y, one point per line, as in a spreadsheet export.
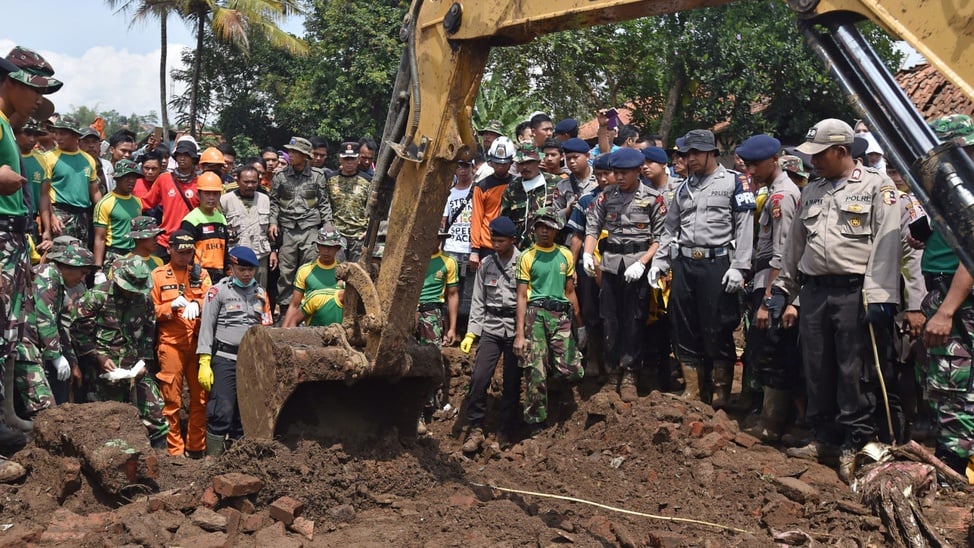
933	95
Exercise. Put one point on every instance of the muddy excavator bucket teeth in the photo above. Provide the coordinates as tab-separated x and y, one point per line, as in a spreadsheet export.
309	383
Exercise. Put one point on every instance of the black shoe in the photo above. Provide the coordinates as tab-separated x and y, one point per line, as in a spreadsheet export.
11	440
195	455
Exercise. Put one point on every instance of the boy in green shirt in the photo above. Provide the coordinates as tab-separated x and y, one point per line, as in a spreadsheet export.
545	297
113	215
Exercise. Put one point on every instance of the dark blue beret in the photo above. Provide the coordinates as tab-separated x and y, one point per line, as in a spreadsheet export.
759	147
626	158
655	154
244	256
568	125
602	163
575	145
503	226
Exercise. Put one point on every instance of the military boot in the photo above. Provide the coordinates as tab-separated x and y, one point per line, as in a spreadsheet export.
11	439
691	379
774	413
475	438
723	380
627	386
214	445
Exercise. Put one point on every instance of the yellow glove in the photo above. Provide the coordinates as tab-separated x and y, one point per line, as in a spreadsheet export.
970	470
205	375
467	343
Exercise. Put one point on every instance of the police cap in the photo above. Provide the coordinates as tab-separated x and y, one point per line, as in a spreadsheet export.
758	147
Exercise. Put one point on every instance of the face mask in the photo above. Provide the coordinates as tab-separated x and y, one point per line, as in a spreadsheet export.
238	283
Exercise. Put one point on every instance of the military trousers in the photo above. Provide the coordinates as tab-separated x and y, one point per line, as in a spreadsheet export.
222	411
703	317
839	381
175	362
551	349
297	248
429	327
30	381
16	299
624	307
772	353
489	350
144	395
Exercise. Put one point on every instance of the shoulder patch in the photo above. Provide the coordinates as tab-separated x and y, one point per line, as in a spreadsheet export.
889	197
856	175
212	293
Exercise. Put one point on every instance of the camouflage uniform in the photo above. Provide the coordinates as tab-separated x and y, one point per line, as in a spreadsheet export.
349	200
521	206
16	301
429	328
116	320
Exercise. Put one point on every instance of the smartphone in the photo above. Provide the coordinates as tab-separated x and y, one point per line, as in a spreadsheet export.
157	133
613	116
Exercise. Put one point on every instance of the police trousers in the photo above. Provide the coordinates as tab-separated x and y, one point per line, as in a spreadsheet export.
839	380
222	412
772	353
702	315
489	350
624	307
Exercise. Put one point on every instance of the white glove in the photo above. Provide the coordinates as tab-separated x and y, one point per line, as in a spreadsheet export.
179	302
192	311
655	273
63	368
588	263
733	280
100	277
635	271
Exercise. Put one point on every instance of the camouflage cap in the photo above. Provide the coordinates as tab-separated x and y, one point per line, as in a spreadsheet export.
125	167
69	123
144	227
132	274
954	126
76	255
527	152
59	245
548	217
299	144
33	70
33	127
493	126
330	236
793	164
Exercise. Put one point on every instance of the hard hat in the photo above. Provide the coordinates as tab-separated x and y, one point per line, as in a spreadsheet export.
212	156
209	181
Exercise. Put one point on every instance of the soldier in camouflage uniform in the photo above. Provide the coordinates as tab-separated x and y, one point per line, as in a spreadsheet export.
299	206
530	191
114	325
349	193
545	303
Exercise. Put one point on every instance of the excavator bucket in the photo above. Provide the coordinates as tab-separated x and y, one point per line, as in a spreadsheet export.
309	383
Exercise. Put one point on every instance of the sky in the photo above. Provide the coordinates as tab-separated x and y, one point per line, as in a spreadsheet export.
104	63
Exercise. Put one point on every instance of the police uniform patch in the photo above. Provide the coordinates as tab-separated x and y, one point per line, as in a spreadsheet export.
775	210
855	208
211	294
611	217
889	197
855	221
662	204
856	175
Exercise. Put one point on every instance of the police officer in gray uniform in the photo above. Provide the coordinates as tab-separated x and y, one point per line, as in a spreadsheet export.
492	311
844	247
707	241
772	350
633	214
231	307
581	177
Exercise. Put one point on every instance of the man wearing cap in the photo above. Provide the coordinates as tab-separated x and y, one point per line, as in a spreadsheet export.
75	182
144	231
456	220
843	261
794	168
349	193
35	171
566	129
492	312
175	191
530	191
232	306
581	176
113	215
90	142
633	214
68	262
490	132
771	354
710	211
318	274
248	214
208	226
114	326
487	199
178	291
300	205
546	306
656	174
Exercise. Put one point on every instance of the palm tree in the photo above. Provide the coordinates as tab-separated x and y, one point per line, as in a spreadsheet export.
232	21
141	11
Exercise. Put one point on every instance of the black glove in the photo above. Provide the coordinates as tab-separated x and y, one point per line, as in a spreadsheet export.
776	303
880	314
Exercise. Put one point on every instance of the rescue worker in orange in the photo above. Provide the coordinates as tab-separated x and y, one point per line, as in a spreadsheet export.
208	226
178	290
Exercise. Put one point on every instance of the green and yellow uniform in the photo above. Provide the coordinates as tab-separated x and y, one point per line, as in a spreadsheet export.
35	171
323	306
316	275
71	175
114	213
441	273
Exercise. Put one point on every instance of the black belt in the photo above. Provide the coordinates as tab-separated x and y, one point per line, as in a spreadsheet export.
942	281
502	311
71	209
626	249
426	307
552	305
834	280
226	348
13	224
118	250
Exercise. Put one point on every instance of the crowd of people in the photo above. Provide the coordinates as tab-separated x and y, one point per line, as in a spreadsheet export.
131	266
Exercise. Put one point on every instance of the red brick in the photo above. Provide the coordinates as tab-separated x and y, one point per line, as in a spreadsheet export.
304	527
746	440
275	535
285	509
708	445
209	498
235	484
206	540
696	429
244	504
600	526
797	490
254	522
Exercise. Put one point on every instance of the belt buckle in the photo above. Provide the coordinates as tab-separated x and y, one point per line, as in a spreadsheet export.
696	253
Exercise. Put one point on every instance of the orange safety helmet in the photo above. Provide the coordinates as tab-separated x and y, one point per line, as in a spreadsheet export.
212	156
209	181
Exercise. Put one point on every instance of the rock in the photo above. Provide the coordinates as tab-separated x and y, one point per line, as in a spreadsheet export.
205	540
285	509
600	526
304	527
69	528
174	499
344	513
463	501
720	421
670	413
234	518
746	440
664	433
209	498
208	520
275	535
708	445
236	485
187	530
254	522
70	477
169	520
243	504
696	429
797	490
147	530
625	538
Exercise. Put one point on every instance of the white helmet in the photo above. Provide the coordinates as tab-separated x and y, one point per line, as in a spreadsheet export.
501	151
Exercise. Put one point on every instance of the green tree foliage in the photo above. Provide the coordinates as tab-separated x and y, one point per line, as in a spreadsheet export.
141	124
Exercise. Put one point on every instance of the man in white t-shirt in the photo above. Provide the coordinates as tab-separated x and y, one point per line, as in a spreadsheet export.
456	220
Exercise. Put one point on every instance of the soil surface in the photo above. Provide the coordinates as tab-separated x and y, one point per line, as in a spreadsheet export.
659	456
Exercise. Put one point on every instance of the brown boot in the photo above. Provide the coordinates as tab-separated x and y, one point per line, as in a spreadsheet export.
691	379
627	386
723	380
774	413
475	438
